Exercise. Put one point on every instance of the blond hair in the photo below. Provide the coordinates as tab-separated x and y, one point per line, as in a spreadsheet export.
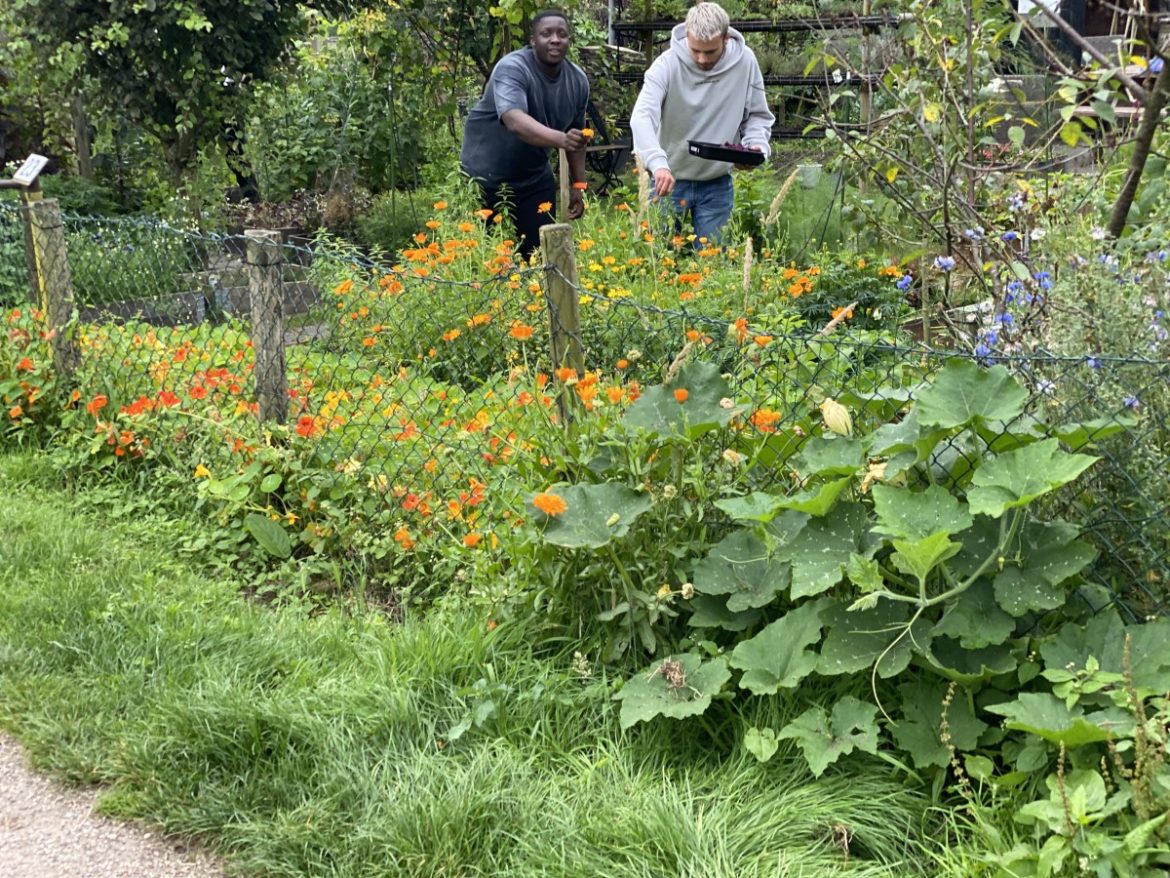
706	21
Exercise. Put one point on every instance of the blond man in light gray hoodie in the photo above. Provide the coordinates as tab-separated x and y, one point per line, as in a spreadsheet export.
707	87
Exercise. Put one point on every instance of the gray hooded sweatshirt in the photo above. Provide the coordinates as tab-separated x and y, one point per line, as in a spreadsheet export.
680	102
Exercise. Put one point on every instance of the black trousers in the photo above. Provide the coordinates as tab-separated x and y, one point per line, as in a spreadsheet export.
522	202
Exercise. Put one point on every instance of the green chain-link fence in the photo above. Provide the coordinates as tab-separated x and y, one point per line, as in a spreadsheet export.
399	369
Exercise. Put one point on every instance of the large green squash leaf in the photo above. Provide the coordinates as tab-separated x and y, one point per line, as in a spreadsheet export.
974	618
756	506
1016	478
920	557
918	729
708	611
778	657
856	639
739	565
825	456
1043	714
1103	637
676	687
818	553
658	411
913	515
1077	436
596	515
824	738
956	662
964	392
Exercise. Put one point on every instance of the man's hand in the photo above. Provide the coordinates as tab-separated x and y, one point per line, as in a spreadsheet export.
576	204
574	140
663	182
748	167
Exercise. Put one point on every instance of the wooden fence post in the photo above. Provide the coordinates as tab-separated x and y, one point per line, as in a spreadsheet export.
55	282
562	289
30	254
265	286
563	181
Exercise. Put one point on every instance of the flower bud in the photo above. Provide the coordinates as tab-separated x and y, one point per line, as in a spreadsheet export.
836	417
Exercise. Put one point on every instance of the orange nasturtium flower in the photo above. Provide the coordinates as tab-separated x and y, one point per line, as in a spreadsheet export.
544	207
521	331
681	394
471	540
306	426
25	365
549	504
96	404
15	412
762	340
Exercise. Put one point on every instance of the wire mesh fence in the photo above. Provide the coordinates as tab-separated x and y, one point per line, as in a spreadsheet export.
431	385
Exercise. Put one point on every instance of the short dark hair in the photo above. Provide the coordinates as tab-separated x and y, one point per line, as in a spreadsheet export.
550	13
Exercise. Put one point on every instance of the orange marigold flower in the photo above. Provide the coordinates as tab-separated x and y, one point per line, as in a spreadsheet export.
25	365
587	132
440	205
432	224
681	394
452	334
344	287
614	394
369	341
623	364
566	374
472	540
521	331
485	213
168	399
762	340
15	412
765	420
96	404
550	504
197	391
306	426
466	228
403	538
544	207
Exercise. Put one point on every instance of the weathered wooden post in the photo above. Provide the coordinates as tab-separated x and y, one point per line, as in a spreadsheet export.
563	195
55	281
562	289
265	258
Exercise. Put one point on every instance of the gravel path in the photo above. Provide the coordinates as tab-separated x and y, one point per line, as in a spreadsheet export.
48	831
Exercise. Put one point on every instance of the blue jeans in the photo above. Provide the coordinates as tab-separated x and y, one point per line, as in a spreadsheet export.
709	203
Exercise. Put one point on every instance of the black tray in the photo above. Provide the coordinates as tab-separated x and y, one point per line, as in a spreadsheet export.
719	153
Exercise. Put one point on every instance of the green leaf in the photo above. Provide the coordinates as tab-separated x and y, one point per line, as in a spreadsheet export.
712	612
756	506
856	639
271	535
817	500
818	553
975	619
920	557
956	662
825	456
270	483
596	515
864	572
1072	133
1103	638
1018	477
918	730
964	392
1020	592
914	515
658	412
1045	715
674	687
761	743
1077	436
777	657
739	565
824	738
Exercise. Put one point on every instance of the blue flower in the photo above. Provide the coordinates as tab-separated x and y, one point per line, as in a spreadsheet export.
1043	279
1013	289
975	234
982	351
904	282
990	337
1158	315
1155	65
1016	202
1092	362
944	263
1131	402
1005	319
1009	236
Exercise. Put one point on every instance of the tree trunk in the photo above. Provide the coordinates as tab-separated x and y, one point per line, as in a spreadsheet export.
1151	116
82	143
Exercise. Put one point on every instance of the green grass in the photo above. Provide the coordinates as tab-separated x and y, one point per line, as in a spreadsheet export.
299	741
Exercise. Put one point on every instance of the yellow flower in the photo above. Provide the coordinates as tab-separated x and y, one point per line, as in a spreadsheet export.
544	207
202	472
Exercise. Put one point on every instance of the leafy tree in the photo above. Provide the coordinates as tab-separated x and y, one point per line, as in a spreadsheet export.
177	68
